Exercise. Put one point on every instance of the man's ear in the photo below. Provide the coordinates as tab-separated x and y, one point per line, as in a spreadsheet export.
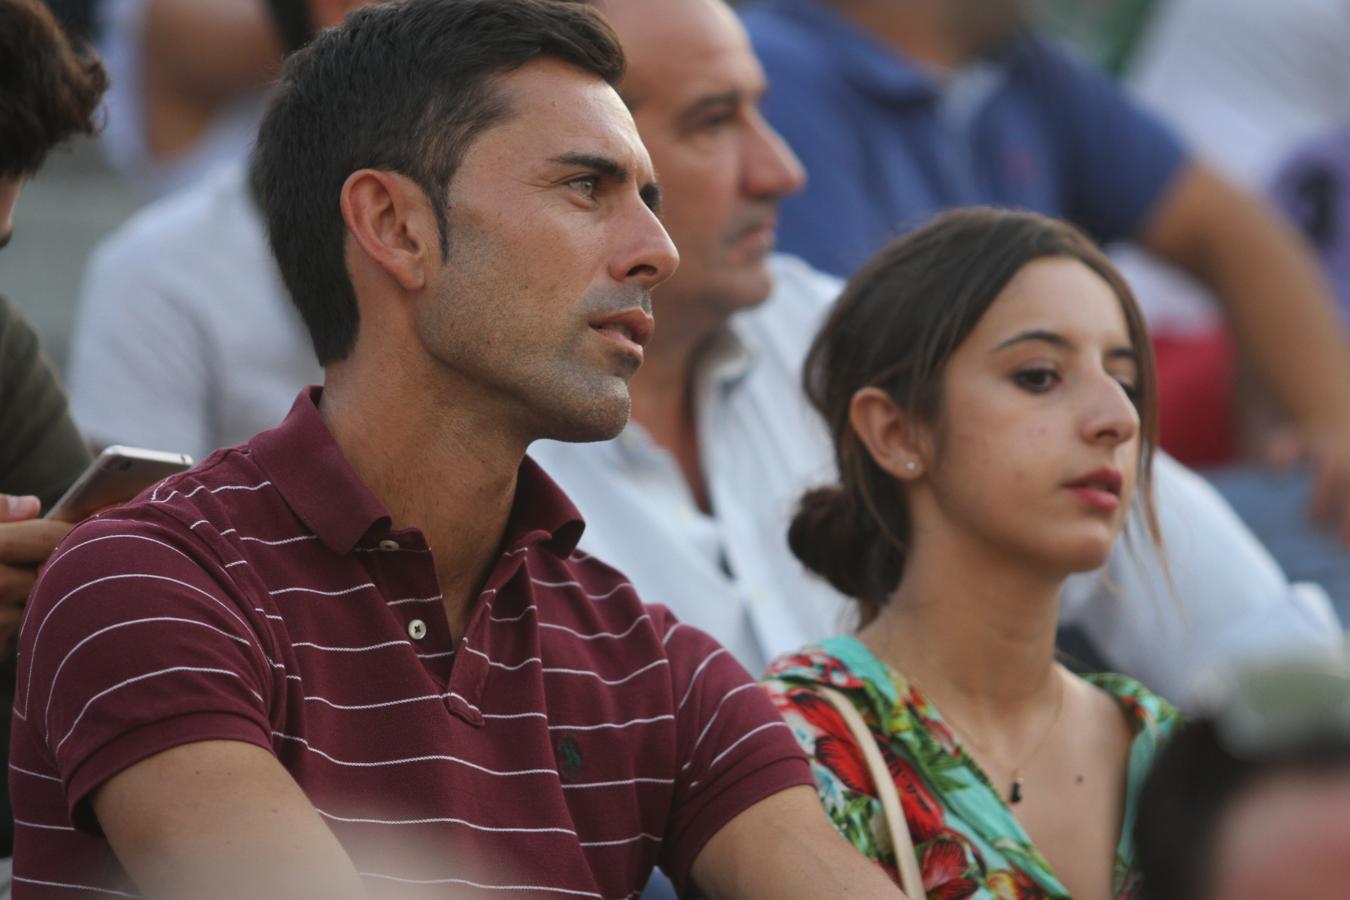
892	437
391	220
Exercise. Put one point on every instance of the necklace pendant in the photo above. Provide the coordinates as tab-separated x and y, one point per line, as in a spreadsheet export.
1015	792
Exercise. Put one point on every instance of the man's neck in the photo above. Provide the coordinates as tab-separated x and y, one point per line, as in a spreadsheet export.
446	469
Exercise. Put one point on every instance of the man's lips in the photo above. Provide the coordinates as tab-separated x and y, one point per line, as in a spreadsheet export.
760	229
631	328
1099	488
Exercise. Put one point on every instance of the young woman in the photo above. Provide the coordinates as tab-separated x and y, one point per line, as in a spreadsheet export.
989	387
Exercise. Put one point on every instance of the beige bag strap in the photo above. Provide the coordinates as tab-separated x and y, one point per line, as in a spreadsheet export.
911	879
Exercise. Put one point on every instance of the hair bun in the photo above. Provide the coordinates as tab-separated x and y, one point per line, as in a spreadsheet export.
833	538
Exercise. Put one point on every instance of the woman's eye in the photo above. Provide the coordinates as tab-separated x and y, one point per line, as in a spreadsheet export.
1036	380
1130	388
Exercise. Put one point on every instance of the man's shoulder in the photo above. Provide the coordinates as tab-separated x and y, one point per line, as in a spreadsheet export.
170	513
585	588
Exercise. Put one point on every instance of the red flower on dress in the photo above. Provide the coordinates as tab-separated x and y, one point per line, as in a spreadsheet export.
944	867
819	713
922	811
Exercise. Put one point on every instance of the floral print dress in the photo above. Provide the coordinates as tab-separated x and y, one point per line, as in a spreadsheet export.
966	839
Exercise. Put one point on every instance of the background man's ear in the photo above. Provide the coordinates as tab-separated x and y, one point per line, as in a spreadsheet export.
892	437
391	221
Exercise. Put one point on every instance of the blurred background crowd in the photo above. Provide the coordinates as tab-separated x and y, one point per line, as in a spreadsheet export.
1213	134
1251	87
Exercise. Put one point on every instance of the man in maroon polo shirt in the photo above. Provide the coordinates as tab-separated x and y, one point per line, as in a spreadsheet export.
360	654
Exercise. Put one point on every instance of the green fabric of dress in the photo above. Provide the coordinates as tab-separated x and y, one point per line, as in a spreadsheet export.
967	840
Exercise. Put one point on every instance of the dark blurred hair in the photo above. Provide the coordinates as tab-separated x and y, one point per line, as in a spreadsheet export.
49	86
897	323
294	22
1194	782
403	87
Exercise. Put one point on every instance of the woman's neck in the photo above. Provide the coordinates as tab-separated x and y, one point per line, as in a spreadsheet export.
976	633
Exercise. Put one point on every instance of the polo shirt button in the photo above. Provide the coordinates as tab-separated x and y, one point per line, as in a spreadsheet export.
417	629
389	545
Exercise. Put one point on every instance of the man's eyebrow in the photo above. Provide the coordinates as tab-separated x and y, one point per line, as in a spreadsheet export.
702	105
603	165
1058	340
615	171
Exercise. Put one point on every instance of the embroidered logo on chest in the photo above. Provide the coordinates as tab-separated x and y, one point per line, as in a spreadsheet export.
569	758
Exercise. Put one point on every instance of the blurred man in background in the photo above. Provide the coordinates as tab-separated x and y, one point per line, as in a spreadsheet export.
693	499
183	340
190	79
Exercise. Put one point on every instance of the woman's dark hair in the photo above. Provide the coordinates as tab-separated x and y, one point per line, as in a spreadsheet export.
403	86
895	326
50	86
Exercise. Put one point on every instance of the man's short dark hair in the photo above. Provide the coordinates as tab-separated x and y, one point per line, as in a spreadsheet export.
49	86
405	87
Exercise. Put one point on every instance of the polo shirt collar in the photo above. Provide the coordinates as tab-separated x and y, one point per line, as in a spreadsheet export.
542	514
307	467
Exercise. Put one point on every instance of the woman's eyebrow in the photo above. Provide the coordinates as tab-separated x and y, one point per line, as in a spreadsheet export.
1036	334
1058	340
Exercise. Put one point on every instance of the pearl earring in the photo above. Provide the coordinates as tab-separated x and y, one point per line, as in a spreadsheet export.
911	466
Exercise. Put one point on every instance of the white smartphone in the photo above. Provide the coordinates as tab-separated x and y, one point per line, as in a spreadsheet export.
118	474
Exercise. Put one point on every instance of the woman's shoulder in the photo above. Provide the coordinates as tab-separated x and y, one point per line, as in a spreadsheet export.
1149	713
843	663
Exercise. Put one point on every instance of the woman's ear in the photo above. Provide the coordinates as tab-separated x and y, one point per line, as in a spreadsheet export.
892	438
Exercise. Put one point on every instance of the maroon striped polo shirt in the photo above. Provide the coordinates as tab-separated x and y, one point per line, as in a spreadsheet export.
573	738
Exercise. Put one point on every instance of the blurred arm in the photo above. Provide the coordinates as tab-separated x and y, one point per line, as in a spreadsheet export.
221	819
784	848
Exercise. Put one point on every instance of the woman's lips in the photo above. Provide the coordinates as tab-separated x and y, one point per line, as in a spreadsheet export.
1099	489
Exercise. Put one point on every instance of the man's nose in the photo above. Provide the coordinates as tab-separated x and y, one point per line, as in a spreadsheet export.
648	255
771	168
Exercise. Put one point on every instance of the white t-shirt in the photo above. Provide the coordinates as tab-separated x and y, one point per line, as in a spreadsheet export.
185	339
188	341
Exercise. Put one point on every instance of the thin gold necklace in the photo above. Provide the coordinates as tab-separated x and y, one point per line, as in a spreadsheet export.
1015	789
